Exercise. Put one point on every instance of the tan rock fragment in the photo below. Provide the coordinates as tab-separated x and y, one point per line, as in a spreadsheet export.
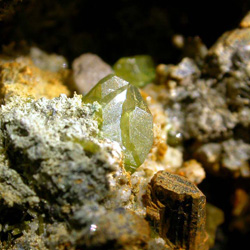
193	171
245	23
88	70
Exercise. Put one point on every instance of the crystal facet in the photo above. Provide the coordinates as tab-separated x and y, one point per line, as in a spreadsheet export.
124	118
138	70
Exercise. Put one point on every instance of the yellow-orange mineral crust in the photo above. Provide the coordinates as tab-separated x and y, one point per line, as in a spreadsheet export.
21	77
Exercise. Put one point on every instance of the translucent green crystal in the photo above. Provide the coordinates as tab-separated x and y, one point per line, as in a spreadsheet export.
138	70
88	146
124	118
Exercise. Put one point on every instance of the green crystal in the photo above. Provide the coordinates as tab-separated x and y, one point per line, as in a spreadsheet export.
124	118
88	146
138	70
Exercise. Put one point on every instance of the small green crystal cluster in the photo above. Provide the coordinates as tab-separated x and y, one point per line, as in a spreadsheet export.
124	118
138	70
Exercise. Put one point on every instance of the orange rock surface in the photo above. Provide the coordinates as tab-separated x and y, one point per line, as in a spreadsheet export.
21	77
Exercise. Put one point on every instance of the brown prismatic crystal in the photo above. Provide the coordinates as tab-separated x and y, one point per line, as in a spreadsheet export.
177	208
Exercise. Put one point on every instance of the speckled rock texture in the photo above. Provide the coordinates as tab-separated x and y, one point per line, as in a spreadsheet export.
56	171
36	74
207	101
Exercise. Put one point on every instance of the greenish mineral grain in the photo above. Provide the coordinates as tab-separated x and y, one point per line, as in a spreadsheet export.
138	70
124	118
214	218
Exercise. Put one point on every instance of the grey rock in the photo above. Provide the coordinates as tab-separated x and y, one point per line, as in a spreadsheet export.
88	69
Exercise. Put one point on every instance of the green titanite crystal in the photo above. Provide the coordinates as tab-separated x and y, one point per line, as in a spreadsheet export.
138	70
124	118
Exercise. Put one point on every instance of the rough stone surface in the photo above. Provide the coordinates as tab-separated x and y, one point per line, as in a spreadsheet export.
55	166
208	103
50	62
193	171
230	52
48	135
177	207
245	22
20	76
228	156
158	244
118	229
88	70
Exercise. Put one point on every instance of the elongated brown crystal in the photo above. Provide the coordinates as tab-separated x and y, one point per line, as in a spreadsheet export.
177	207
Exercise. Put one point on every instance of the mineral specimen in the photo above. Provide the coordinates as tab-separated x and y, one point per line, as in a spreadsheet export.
207	104
62	167
51	172
230	53
240	202
88	70
20	76
124	118
193	171
50	62
229	155
118	229
32	127
62	179
245	22
138	70
177	208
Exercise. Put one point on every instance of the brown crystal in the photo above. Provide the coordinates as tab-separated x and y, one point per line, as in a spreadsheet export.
177	208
